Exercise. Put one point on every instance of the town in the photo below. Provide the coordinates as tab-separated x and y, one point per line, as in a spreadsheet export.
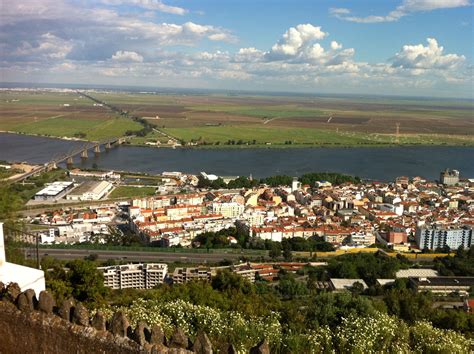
407	215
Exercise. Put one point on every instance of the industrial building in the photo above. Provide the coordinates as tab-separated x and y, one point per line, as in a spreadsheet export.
90	190
54	191
136	276
439	237
443	285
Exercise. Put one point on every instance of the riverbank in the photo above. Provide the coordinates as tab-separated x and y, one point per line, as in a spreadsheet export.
425	143
375	162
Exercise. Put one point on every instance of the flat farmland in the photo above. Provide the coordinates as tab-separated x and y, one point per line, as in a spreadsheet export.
277	120
61	115
228	120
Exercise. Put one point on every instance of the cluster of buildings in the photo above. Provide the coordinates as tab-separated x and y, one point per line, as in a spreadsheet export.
69	226
89	190
147	276
408	214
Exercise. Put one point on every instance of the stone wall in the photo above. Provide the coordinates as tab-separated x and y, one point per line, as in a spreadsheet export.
31	325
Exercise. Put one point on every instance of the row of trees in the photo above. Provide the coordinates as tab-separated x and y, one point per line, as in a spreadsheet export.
279	180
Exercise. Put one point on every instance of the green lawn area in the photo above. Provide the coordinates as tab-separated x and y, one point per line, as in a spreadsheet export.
94	129
152	137
129	192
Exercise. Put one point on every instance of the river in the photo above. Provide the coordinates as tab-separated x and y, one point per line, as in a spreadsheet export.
380	163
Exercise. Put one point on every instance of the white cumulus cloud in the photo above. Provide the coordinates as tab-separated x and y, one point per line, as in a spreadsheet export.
294	39
126	56
426	57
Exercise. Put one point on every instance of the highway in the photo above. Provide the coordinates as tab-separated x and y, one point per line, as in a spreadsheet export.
139	256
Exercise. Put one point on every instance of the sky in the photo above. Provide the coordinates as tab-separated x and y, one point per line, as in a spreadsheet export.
389	47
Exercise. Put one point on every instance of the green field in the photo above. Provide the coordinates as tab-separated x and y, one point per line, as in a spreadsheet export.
45	114
130	192
220	120
270	136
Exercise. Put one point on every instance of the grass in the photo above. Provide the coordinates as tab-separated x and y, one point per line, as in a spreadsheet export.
152	137
96	130
265	135
5	173
130	192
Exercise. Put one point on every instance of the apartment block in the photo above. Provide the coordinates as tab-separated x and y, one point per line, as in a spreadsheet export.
438	237
136	276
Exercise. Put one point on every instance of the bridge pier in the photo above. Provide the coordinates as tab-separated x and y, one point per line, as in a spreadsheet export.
69	161
84	154
108	146
97	149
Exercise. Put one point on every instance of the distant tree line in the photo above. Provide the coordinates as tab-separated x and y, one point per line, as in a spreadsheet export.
278	180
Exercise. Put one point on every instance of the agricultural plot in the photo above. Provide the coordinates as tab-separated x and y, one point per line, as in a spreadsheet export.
222	120
60	115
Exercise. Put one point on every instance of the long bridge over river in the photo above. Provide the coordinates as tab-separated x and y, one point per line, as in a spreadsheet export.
68	157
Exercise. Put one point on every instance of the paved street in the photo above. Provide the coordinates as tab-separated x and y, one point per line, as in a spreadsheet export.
140	256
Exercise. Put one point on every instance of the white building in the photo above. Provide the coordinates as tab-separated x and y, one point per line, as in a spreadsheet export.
90	190
25	277
341	284
136	276
54	191
228	210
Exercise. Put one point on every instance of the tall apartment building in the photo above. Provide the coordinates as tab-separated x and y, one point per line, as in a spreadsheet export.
136	276
449	178
432	237
185	275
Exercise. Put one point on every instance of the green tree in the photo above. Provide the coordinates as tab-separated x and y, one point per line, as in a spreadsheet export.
275	250
87	281
225	280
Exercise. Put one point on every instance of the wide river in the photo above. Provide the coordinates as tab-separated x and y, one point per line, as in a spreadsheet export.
381	163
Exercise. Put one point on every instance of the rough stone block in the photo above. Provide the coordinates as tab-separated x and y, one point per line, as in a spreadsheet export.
98	322
119	324
202	344
46	302
157	335
26	301
11	292
80	315
66	308
139	333
178	339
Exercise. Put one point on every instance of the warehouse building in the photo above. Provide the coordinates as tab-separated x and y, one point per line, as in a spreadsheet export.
90	190
444	285
54	191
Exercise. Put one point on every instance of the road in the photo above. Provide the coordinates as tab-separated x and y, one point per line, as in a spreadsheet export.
139	256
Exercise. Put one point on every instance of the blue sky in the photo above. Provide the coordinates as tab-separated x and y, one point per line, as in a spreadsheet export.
403	47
